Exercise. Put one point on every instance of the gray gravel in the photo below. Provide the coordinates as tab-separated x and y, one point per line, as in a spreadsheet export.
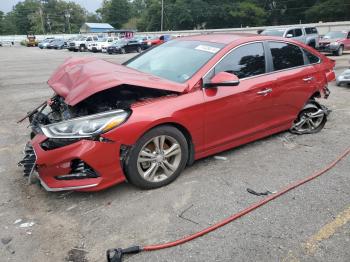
76	227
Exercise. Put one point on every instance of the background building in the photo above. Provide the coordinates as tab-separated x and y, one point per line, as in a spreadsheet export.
95	28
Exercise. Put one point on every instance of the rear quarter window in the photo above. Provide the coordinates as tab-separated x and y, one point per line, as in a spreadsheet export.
285	55
298	32
311	58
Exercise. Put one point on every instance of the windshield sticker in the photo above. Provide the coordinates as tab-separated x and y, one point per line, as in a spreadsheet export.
207	48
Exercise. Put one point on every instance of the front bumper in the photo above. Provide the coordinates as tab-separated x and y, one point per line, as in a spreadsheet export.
102	157
328	48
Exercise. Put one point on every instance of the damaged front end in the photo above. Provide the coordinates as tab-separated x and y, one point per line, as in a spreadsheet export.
72	146
68	143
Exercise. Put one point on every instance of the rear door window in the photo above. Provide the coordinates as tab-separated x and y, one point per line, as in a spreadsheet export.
298	32
245	61
285	55
311	30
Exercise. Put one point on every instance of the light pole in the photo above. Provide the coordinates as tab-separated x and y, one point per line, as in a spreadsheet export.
162	17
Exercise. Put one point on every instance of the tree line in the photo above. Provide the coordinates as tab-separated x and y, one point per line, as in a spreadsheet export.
58	16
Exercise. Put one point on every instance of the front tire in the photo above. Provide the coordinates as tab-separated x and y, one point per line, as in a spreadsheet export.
157	158
82	48
340	51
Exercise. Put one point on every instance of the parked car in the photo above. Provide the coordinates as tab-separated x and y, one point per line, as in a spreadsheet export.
158	40
43	44
81	43
109	43
101	44
57	44
335	42
186	99
344	78
306	35
124	46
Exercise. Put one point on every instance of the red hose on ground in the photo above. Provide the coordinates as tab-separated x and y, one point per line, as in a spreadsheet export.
247	210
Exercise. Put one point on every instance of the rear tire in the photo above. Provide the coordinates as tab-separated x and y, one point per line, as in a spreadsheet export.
157	158
311	119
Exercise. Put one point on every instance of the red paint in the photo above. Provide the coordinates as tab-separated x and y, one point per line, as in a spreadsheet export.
78	78
217	119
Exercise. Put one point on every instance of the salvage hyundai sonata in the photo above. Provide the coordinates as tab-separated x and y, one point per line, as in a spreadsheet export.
186	99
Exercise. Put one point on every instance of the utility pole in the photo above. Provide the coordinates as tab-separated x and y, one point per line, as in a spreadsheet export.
42	19
67	15
49	23
162	17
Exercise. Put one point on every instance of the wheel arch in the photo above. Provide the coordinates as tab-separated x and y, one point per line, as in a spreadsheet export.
180	127
187	135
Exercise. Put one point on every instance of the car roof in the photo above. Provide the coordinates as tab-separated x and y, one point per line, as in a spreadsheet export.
219	38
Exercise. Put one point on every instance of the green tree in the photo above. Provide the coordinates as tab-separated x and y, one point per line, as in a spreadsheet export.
248	14
329	10
1	22
115	12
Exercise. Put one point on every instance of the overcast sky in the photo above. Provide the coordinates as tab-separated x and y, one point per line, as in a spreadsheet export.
90	5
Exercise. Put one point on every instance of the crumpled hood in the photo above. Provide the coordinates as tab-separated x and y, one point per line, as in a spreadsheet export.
78	78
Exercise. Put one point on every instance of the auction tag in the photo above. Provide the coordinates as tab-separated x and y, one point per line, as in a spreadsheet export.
207	48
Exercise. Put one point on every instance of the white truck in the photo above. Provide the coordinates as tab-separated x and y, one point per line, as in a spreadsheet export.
101	44
306	35
81	43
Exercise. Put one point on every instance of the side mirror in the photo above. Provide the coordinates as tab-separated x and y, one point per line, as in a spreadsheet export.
223	79
289	35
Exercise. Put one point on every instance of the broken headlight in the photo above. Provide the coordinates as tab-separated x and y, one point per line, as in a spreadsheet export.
86	126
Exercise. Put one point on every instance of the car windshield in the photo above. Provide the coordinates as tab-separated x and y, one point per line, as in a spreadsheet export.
335	34
273	32
175	60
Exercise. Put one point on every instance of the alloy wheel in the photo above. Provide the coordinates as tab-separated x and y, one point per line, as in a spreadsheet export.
159	158
310	120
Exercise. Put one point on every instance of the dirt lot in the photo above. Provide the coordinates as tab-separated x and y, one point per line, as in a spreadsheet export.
311	223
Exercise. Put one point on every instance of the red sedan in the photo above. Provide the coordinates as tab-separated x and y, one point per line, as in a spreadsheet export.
189	98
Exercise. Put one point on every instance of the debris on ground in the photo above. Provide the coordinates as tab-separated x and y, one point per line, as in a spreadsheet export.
6	240
253	192
10	249
17	221
185	218
220	158
27	224
76	255
71	207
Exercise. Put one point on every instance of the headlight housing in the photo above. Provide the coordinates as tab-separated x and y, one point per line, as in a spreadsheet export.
335	43
87	126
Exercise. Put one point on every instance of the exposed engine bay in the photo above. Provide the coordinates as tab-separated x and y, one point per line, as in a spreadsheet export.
56	110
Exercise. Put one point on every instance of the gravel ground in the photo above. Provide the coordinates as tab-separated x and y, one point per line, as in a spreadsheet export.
310	223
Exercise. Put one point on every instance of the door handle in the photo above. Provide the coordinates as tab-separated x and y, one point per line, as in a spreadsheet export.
265	92
307	79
